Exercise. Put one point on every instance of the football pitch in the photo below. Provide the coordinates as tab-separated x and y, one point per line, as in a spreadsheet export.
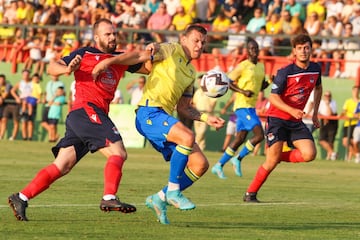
317	200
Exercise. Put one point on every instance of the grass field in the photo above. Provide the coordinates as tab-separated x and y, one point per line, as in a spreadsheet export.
318	200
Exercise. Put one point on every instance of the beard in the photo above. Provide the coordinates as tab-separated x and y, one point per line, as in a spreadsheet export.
108	47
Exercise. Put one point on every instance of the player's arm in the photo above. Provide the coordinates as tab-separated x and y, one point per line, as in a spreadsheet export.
185	108
57	68
317	99
235	88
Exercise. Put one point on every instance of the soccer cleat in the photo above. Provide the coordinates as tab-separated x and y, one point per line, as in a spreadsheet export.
218	171
18	206
178	200
159	208
116	205
236	166
250	197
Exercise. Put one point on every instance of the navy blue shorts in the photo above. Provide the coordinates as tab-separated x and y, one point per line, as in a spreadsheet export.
288	131
87	129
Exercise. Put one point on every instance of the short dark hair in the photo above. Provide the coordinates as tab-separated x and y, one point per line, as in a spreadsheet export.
101	20
301	39
2	76
195	27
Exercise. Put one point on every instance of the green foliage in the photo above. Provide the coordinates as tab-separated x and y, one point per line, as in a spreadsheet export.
318	200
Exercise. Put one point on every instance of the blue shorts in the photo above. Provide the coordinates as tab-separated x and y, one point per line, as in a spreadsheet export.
154	124
246	119
85	134
288	131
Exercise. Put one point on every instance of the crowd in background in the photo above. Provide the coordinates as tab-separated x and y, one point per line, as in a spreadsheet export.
269	20
319	18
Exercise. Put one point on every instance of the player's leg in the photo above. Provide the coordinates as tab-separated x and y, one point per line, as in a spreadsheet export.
116	155
64	162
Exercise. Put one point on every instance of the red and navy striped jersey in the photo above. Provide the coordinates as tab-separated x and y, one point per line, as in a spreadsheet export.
101	91
294	86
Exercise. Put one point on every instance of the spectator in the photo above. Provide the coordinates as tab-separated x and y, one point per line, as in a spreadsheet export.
189	7
256	22
135	87
265	42
69	41
130	19
328	127
274	27
50	91
291	25
213	10
118	98
115	16
180	20
35	47
313	25
83	10
355	21
201	11
296	9
29	106
221	24
160	20
10	109
350	52
6	38
274	7
234	47
230	9
20	91
348	10
10	13
318	7
334	8
171	6
24	12
332	28
67	17
348	111
153	6
203	104
55	113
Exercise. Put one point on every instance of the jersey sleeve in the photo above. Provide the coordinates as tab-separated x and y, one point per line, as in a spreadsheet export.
279	82
71	56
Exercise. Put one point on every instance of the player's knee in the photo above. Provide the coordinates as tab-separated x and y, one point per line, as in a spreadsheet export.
188	139
309	156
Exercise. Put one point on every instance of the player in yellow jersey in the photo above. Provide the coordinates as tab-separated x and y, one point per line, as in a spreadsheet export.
170	84
248	78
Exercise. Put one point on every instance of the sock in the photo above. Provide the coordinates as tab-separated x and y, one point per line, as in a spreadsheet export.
293	156
112	174
178	161
246	150
229	153
187	179
44	178
259	179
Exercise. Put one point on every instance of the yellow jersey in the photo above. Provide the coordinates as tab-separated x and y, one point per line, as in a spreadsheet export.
170	79
247	76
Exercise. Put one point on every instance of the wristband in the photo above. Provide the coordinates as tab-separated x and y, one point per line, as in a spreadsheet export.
152	58
204	117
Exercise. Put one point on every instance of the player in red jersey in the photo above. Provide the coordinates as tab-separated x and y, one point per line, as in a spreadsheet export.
290	91
88	127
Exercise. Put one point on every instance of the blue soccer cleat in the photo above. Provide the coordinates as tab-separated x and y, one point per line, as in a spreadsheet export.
178	200
218	171
159	208
236	166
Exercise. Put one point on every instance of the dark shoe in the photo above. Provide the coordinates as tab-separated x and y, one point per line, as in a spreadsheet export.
116	205
18	206
250	197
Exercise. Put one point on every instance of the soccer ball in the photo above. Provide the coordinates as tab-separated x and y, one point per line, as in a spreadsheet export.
214	83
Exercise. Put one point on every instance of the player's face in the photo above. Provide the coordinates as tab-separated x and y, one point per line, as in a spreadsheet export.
302	52
193	44
105	38
253	51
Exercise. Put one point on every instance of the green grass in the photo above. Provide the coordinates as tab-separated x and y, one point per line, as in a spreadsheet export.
318	200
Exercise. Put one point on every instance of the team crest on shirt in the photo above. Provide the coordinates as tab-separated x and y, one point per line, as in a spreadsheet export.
165	123
148	122
312	80
297	79
97	57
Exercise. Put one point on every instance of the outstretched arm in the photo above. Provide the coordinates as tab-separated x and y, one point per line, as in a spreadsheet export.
60	67
185	108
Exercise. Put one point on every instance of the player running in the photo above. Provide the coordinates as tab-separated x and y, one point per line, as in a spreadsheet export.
88	127
170	84
290	91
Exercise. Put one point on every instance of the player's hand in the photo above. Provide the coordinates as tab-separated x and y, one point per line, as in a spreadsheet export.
74	64
153	48
316	121
248	93
216	122
297	113
99	68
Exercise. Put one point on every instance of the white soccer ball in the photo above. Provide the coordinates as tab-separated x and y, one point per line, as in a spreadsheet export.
214	83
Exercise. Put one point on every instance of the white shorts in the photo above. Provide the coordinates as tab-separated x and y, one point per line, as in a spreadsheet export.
356	134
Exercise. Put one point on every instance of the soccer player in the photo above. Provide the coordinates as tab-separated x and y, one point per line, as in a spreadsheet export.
248	79
88	127
290	91
170	84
